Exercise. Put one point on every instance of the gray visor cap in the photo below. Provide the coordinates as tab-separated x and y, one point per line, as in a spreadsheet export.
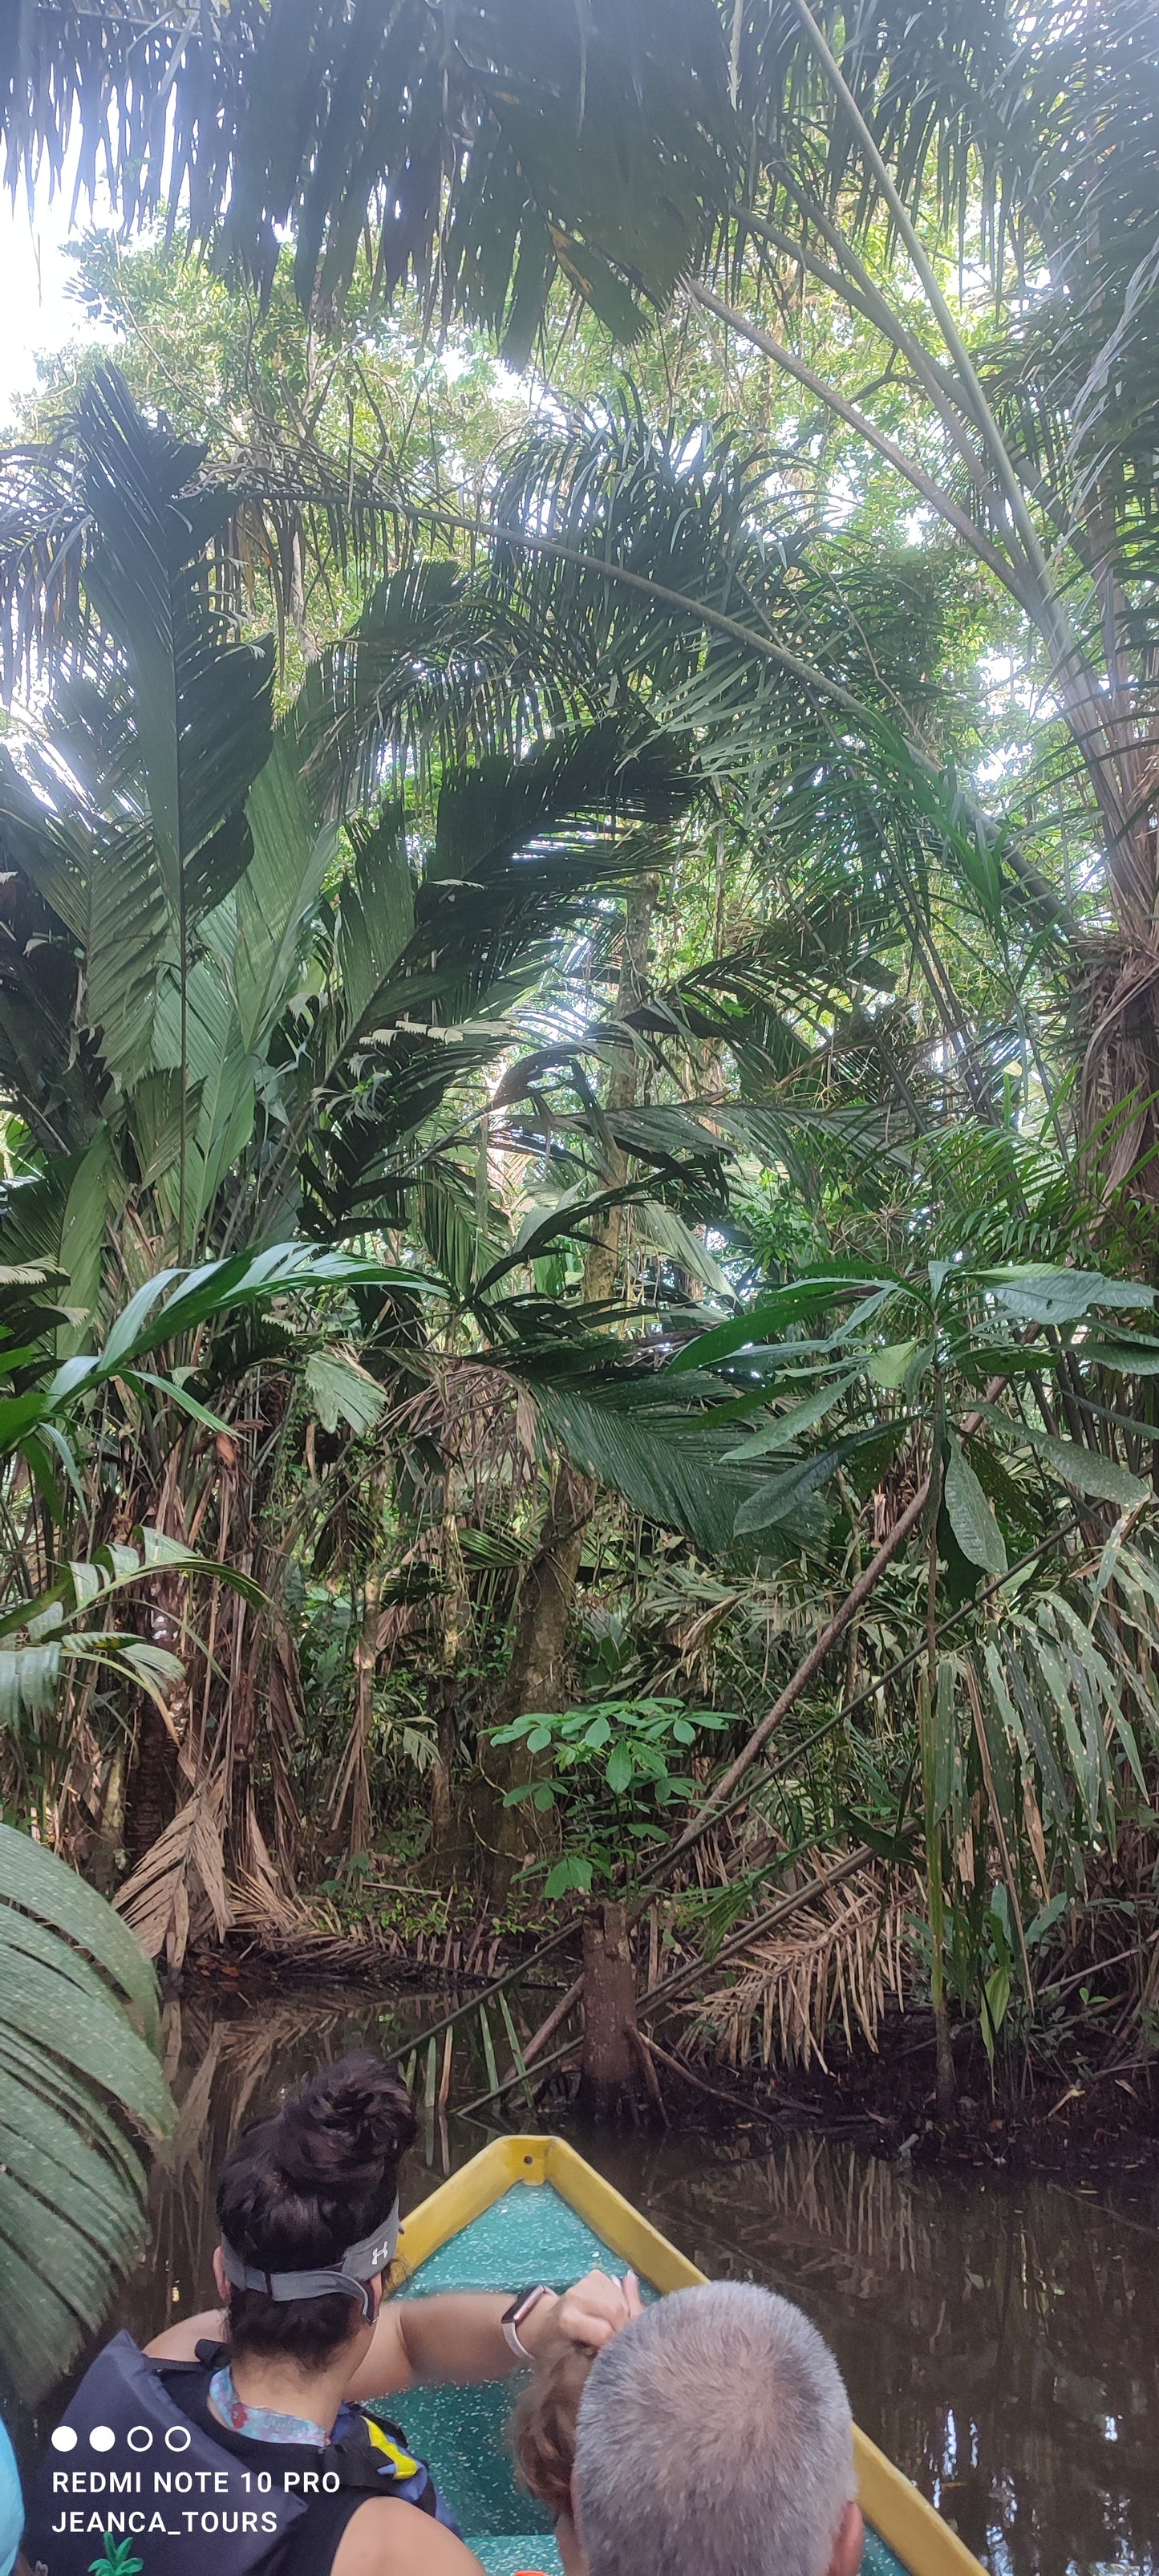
359	2264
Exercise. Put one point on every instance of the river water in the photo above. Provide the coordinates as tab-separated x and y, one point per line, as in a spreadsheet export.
999	2336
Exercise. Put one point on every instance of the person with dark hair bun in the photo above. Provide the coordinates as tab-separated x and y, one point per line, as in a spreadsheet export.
252	2413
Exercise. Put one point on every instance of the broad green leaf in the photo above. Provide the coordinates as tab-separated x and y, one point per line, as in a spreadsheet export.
53	1994
376	915
574	1872
1128	1359
29	1681
891	1366
786	1427
1037	1294
18	1413
1045	1920
61	1217
971	1518
293	849
666	1460
339	1389
178	1395
50	1892
201	702
997	1998
782	1497
125	1335
659	1225
73	2072
1090	1473
783	1307
1129	1741
1086	1469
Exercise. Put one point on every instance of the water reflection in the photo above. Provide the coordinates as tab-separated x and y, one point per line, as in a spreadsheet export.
998	2336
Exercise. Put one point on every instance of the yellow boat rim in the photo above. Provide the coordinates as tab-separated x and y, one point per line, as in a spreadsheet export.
907	2522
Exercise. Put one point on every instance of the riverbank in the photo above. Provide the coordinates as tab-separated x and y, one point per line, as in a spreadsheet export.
1067	2117
1022	2118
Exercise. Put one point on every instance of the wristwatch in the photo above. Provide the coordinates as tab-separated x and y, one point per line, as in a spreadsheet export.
513	2317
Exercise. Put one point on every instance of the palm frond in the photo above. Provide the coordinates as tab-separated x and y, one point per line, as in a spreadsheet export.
840	1965
529	143
78	2035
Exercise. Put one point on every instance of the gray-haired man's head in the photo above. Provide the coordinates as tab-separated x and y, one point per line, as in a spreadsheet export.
715	2439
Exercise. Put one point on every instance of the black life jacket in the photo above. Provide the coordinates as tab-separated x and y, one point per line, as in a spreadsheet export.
151	2469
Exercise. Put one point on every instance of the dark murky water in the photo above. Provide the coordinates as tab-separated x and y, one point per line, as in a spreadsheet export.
1000	2337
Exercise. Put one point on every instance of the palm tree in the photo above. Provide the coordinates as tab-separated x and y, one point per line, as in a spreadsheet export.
486	150
300	947
163	830
1026	139
876	150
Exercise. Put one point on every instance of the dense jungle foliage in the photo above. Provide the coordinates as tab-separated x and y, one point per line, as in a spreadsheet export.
578	998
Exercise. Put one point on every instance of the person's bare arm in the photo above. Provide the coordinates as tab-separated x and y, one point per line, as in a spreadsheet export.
456	2336
180	2342
459	2334
388	2538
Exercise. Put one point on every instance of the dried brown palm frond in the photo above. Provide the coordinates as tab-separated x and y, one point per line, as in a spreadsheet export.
260	1897
839	1965
179	1886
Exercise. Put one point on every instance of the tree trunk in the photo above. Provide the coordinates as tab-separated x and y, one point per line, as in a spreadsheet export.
610	2083
151	1789
451	1842
164	1759
365	1667
601	1269
441	1709
535	1676
946	2079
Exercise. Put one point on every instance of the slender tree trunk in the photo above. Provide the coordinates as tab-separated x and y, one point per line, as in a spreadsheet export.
535	1675
450	1833
602	1267
151	1789
610	2081
442	1711
365	1667
947	2086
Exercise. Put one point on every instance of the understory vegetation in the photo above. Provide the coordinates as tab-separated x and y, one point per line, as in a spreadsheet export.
578	1013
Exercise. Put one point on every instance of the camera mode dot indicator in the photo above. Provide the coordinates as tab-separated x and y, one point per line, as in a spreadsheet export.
64	2439
102	2438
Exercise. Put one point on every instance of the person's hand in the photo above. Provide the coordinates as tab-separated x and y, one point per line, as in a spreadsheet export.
591	2312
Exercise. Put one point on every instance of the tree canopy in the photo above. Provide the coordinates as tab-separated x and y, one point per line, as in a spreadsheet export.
578	997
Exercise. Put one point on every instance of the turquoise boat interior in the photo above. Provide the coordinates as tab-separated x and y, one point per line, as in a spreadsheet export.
528	2234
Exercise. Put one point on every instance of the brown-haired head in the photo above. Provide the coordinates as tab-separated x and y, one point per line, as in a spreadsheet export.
543	2424
300	2187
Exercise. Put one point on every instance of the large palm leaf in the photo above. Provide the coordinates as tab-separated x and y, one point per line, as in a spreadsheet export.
488	147
428	965
128	817
82	2086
